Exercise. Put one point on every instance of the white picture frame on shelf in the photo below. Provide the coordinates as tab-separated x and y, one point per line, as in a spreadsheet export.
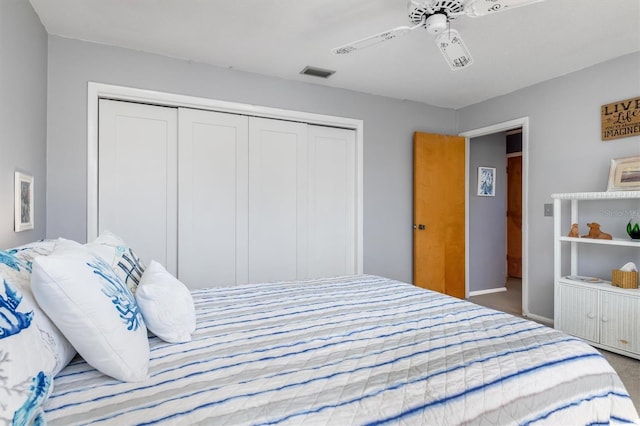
23	202
624	174
486	181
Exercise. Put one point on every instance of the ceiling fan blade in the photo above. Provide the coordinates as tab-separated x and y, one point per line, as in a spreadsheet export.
454	50
374	39
486	7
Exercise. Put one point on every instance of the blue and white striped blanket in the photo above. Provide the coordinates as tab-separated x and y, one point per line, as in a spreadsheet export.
354	350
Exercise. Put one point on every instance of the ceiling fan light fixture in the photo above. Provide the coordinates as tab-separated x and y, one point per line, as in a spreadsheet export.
436	23
434	16
454	50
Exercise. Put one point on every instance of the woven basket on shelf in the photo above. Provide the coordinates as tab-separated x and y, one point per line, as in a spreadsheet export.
624	279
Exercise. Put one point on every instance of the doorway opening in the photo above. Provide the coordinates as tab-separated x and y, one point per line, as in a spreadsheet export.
495	278
508	291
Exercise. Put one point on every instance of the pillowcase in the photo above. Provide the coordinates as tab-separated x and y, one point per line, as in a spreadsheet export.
124	261
32	349
52	337
29	251
166	305
94	309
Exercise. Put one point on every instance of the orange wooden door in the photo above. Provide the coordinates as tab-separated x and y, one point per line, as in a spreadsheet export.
514	217
439	213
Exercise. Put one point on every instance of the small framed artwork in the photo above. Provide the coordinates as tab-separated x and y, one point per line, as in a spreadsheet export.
486	181
23	202
624	174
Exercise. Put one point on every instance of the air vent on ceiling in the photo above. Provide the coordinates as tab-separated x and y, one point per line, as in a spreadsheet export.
317	72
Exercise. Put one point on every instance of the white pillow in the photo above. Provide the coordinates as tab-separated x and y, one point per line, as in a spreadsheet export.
28	352
94	309
124	261
166	305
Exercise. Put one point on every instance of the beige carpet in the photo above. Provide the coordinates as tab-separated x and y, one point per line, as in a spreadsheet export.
510	301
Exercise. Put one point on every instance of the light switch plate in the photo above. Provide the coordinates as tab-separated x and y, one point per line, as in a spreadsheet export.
548	209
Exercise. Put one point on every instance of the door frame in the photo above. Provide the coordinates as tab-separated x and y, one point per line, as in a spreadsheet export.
96	91
523	123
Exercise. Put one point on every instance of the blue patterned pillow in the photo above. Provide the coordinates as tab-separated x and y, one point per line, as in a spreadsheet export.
53	338
94	309
30	251
124	261
32	349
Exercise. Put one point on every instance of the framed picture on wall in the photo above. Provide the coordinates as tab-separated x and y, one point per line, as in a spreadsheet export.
624	174
23	202
486	181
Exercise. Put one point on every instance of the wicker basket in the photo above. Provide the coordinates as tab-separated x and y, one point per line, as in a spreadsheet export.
624	279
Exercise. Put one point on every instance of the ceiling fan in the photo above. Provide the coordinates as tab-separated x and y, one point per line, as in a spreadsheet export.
435	16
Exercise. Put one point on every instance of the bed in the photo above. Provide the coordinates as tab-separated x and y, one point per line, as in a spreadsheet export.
351	350
336	351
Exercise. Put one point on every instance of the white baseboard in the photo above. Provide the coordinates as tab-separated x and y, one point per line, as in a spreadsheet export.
544	320
488	291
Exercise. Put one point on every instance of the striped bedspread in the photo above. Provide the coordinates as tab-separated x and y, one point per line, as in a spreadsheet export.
351	350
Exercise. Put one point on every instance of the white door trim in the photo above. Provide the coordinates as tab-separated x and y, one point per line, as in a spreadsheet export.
495	128
96	91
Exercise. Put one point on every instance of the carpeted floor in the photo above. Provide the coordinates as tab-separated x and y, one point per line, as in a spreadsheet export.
510	301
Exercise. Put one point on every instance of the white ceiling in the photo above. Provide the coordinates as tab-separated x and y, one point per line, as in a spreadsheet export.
511	49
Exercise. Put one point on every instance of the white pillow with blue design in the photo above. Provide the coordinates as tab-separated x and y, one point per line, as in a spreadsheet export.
29	251
94	309
166	305
32	349
122	258
23	257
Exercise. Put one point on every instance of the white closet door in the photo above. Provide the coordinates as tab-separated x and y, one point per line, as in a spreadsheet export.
277	200
137	185
213	196
331	228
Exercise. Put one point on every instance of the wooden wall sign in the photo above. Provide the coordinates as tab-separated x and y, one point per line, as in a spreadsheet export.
620	119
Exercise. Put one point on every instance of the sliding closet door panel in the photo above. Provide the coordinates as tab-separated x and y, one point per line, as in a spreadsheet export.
213	185
332	202
137	186
277	200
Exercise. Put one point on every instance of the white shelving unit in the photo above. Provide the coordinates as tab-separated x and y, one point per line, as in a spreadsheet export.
606	316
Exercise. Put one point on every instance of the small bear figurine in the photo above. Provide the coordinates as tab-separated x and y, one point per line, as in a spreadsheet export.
596	233
574	231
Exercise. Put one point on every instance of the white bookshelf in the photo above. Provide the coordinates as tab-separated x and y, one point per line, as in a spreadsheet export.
606	316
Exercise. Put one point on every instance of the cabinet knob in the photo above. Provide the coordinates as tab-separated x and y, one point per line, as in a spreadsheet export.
605	319
591	315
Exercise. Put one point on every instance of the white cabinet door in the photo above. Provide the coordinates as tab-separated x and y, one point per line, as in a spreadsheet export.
225	199
578	311
331	223
620	319
213	197
277	200
137	177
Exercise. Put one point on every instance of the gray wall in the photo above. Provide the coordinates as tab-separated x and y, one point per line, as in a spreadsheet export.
487	223
388	131
566	153
23	114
